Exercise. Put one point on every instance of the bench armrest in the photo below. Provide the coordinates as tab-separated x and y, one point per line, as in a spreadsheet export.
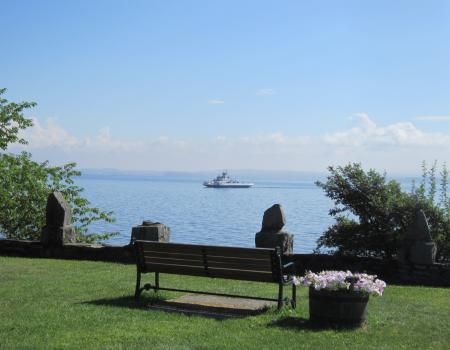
288	272
290	266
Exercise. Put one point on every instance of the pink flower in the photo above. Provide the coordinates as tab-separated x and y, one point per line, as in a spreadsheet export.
342	280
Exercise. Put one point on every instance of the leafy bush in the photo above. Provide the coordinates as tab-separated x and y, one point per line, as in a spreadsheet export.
436	207
373	214
25	185
12	120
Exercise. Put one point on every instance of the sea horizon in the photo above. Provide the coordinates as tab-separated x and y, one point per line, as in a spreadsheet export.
240	174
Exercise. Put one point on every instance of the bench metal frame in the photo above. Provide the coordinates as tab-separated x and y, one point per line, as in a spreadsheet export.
284	273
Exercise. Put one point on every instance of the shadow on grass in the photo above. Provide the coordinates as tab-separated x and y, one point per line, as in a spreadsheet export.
127	302
157	303
300	323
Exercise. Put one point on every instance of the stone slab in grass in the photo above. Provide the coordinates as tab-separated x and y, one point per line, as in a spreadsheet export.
214	306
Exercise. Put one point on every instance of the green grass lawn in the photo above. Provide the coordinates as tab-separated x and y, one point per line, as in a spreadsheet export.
78	304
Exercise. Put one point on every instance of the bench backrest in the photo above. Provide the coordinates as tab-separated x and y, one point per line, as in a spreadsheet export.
249	264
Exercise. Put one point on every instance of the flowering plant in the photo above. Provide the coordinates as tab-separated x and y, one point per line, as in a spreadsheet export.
343	280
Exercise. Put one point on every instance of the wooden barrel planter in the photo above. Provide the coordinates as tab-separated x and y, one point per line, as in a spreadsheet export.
342	308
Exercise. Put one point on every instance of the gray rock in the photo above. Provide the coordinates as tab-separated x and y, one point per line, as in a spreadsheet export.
419	230
418	246
58	216
58	211
273	219
271	235
150	231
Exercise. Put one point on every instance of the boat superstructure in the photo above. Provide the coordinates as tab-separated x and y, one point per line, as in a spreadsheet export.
224	181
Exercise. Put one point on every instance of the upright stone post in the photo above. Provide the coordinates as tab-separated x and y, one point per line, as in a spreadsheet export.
58	229
418	246
271	234
150	231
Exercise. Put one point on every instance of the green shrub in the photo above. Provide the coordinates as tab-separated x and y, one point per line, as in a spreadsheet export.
436	207
372	214
12	120
25	185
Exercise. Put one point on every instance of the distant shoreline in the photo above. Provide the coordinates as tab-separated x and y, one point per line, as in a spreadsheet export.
242	175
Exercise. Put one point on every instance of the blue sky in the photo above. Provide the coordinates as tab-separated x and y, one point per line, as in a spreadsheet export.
196	85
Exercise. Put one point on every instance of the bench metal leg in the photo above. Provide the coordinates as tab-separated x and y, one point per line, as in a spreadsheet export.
156	282
294	296
293	300
138	290
280	296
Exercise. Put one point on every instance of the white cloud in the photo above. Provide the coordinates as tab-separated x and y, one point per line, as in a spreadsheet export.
216	102
106	142
434	118
51	135
368	133
161	140
265	92
277	138
394	147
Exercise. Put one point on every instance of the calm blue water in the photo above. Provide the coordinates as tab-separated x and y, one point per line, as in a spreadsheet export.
206	215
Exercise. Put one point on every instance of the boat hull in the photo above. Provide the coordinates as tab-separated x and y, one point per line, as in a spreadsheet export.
228	185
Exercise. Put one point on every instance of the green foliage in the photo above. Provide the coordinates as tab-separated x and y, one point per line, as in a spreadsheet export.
436	210
12	120
372	214
23	193
25	185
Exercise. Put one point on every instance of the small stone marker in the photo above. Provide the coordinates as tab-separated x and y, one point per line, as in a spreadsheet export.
418	246
271	234
58	229
273	219
150	231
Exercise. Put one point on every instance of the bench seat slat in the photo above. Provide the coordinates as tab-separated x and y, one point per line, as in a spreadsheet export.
172	255
176	269
236	259
258	266
249	253
244	275
172	261
172	248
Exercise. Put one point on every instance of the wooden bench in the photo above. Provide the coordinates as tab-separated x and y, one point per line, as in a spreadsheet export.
246	264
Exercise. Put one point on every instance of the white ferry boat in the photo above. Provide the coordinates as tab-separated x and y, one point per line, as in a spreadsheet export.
224	181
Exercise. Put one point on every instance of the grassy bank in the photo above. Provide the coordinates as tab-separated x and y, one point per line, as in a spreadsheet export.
78	304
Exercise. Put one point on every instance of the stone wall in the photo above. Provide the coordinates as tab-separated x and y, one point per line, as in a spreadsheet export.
76	251
390	270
